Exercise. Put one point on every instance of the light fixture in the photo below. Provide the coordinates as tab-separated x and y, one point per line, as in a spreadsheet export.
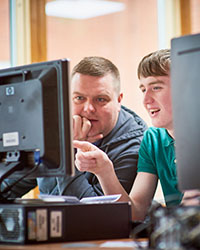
82	9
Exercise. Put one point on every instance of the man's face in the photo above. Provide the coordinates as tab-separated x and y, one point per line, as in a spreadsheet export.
157	100
95	98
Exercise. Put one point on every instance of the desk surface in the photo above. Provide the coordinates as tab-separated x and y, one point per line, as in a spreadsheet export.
94	245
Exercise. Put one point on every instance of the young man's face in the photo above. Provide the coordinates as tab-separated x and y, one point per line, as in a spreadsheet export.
157	100
96	99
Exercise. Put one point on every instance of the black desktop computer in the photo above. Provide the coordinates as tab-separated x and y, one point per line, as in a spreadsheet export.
33	223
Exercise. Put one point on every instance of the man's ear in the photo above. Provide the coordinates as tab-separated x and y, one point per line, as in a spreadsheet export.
120	97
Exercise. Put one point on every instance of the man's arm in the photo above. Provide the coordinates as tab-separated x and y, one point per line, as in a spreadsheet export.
124	159
85	184
90	158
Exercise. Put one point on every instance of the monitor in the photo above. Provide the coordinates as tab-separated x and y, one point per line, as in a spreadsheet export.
36	123
185	80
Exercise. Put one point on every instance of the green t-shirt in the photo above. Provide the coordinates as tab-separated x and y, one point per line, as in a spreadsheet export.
157	156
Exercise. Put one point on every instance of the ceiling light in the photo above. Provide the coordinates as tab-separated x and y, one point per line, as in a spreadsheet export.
82	9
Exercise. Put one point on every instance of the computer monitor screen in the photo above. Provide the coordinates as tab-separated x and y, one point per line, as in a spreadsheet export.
36	124
185	80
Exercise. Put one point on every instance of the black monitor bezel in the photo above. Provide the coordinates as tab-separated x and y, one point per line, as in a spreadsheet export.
66	166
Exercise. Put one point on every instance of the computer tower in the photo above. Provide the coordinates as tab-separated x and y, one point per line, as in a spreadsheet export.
60	222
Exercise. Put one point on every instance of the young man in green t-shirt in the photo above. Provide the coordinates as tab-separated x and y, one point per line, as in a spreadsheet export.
156	155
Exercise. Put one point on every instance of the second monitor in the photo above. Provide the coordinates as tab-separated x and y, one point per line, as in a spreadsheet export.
185	75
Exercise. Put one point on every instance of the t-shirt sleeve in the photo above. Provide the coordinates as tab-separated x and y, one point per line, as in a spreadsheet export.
146	162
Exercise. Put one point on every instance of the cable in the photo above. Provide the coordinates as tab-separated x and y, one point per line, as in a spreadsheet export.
9	187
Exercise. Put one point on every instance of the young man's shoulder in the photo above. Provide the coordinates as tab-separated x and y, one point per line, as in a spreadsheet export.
156	135
155	142
156	131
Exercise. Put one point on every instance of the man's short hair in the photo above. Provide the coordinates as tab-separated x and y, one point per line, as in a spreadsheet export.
98	66
155	64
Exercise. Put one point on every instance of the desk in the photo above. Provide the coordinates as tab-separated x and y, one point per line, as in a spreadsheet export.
83	245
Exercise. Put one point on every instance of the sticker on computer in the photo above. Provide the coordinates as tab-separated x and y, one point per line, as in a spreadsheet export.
56	224
41	218
11	139
32	225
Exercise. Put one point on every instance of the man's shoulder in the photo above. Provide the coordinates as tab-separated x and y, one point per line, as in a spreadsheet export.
127	130
134	118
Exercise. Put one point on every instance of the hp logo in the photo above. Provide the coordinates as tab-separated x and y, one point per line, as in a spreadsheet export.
10	91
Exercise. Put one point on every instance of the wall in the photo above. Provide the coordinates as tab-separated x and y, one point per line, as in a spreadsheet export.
123	37
4	31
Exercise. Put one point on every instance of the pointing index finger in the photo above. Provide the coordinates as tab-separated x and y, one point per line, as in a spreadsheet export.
83	145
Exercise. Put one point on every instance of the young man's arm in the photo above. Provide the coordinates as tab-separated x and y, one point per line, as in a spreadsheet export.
191	198
141	194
